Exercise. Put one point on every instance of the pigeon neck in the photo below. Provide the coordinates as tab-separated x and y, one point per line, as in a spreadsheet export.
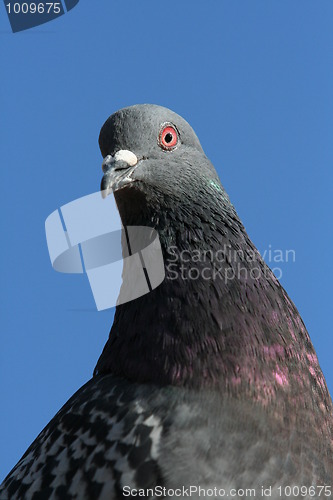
220	318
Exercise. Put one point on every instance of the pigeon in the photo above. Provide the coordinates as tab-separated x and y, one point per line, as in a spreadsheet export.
209	384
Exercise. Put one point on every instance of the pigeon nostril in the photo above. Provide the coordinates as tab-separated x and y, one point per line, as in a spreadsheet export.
121	160
127	156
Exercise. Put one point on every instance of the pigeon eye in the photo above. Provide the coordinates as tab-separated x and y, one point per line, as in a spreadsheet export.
168	138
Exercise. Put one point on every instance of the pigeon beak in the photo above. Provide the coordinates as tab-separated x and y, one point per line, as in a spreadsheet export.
117	171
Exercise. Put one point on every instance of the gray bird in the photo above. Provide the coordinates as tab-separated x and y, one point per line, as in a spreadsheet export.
210	380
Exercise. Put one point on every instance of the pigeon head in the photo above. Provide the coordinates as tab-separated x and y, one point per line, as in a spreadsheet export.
152	157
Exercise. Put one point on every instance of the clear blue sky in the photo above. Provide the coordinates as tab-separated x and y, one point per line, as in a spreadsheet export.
255	81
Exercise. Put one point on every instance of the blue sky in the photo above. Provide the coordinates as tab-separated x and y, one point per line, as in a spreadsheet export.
255	81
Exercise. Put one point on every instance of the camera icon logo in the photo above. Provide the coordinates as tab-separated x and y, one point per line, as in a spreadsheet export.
122	263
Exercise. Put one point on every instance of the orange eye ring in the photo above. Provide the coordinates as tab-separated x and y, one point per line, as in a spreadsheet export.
168	138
